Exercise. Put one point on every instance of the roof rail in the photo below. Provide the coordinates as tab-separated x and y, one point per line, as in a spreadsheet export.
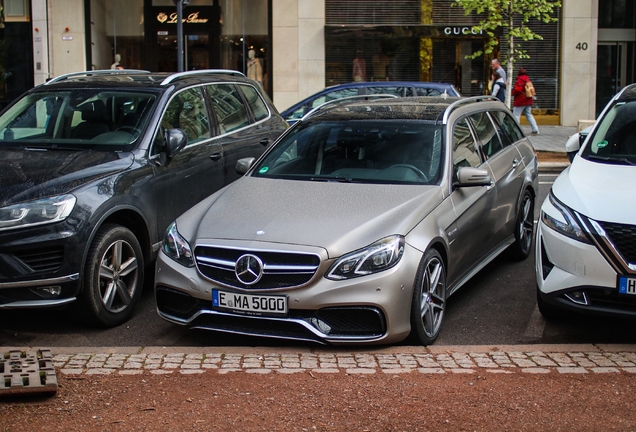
348	99
463	101
95	72
200	72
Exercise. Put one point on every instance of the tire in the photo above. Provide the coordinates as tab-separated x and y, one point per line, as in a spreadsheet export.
549	312
429	299
524	228
112	281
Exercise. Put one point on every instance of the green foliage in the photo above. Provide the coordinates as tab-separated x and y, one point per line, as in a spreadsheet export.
514	15
509	17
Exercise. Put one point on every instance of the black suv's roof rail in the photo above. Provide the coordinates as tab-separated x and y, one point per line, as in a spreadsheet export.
187	74
462	101
96	72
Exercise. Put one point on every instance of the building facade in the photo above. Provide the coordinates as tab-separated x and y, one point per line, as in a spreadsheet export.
297	47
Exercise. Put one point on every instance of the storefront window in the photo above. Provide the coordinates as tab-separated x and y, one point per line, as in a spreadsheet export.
117	34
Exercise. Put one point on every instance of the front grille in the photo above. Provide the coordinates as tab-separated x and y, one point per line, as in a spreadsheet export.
624	239
611	299
42	260
280	269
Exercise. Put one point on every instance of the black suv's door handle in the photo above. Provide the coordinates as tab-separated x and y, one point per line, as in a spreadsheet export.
216	156
264	141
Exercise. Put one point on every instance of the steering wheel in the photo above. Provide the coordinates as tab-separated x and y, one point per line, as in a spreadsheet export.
413	168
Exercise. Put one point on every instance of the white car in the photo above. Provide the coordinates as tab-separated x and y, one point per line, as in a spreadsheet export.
586	238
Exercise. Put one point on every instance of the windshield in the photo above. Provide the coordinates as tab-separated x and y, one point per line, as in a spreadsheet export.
77	119
365	151
614	140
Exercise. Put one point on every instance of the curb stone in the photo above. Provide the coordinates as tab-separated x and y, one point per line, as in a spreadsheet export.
540	359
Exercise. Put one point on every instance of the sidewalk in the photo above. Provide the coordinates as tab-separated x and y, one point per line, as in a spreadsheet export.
550	138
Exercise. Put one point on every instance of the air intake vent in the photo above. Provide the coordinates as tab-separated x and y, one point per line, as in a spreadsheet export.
42	259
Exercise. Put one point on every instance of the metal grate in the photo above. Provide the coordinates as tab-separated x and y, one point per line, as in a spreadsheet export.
624	239
27	372
280	269
42	259
392	12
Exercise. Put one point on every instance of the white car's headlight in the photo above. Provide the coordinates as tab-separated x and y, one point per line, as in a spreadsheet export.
176	247
38	212
379	256
569	226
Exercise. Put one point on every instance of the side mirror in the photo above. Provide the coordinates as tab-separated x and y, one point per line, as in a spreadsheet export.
175	140
471	177
573	145
243	165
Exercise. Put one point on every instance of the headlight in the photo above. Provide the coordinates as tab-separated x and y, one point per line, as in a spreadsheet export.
38	212
176	247
570	226
379	256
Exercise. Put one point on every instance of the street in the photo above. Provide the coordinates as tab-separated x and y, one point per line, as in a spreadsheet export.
497	306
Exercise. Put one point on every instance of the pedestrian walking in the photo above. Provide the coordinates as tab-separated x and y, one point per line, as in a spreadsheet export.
523	93
499	87
496	67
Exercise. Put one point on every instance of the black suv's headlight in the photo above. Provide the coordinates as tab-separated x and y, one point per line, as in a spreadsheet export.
176	247
379	256
570	226
38	212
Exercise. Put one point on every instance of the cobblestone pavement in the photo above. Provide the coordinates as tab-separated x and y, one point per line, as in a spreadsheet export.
268	360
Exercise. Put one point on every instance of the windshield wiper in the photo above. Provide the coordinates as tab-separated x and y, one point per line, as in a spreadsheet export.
613	160
52	147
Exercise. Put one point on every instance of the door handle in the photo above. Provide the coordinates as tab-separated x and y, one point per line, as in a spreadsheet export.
264	141
515	162
216	156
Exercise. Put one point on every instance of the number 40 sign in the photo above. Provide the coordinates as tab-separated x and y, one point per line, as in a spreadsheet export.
581	46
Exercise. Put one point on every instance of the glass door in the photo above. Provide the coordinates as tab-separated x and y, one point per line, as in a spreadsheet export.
611	71
196	47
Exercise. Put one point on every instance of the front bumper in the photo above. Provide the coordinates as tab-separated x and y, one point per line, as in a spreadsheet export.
577	276
372	309
40	267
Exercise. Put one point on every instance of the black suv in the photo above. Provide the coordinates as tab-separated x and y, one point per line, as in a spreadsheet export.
95	165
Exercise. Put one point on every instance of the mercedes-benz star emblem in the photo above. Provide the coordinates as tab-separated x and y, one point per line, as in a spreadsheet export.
249	269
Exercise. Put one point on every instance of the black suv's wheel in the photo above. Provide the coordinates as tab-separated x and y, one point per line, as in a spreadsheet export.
113	277
429	298
524	228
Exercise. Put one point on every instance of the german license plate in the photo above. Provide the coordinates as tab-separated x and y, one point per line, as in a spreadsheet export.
627	285
250	304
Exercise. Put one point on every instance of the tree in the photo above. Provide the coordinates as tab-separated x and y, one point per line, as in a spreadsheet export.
512	16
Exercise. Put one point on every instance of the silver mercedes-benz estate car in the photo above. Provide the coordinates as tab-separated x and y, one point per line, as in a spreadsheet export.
356	225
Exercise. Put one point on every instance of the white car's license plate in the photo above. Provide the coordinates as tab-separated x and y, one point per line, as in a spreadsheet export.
627	285
250	304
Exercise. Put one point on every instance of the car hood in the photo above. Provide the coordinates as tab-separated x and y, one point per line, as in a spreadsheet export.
603	192
339	217
29	174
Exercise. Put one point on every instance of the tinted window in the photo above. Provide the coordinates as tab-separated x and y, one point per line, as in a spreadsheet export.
254	100
509	130
358	151
422	91
336	94
228	107
186	111
397	91
614	139
82	118
464	148
486	133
